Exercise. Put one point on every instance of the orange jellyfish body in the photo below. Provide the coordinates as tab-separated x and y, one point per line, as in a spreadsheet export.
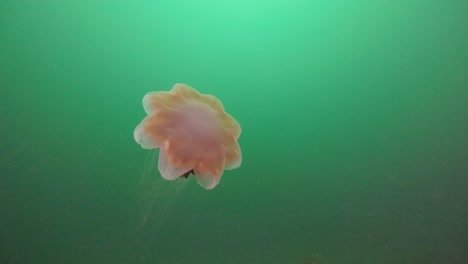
194	134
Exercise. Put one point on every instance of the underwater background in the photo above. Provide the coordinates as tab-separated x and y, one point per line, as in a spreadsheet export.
354	142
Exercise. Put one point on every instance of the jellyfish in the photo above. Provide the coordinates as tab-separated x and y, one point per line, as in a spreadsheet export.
193	132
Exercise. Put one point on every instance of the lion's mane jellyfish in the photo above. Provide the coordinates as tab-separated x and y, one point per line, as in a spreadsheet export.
194	133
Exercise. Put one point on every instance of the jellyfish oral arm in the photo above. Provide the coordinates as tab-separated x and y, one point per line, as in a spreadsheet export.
187	174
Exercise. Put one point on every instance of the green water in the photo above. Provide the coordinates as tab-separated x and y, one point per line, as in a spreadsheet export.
354	118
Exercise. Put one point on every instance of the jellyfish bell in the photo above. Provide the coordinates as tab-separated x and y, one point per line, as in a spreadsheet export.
193	132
